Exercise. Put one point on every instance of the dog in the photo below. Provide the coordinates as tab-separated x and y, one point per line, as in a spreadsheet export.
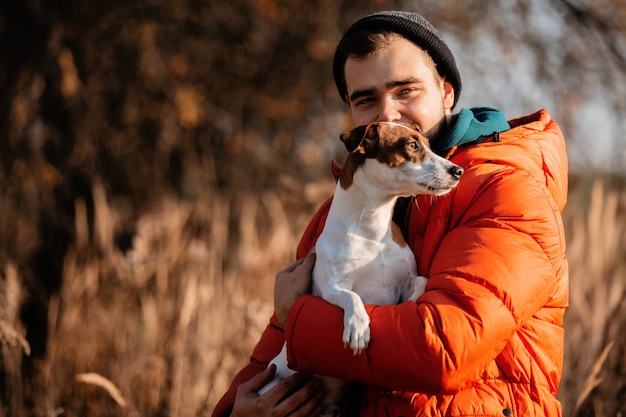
362	257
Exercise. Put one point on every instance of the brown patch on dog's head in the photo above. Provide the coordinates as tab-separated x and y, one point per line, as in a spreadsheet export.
362	142
389	143
400	143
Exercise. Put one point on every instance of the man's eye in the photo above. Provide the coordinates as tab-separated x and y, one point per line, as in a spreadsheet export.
364	101
406	91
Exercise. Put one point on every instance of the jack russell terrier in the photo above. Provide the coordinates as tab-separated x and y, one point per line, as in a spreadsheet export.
361	255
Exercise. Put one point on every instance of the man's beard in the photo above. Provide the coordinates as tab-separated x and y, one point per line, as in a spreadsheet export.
438	131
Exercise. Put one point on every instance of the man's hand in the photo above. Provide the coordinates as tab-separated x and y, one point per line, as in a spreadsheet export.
296	396
291	283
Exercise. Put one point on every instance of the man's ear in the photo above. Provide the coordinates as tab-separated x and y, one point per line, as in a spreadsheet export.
448	95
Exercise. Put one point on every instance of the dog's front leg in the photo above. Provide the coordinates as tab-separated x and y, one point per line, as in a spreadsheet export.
416	285
356	322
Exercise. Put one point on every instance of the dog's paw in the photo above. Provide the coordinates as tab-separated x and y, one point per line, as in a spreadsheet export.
417	286
356	330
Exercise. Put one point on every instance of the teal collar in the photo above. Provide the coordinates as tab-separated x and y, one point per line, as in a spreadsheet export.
471	126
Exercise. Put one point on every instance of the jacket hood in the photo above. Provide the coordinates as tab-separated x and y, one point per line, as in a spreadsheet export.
534	143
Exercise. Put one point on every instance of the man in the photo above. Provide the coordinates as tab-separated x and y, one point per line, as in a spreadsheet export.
486	338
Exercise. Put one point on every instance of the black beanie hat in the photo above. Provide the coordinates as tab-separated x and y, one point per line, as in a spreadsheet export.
413	27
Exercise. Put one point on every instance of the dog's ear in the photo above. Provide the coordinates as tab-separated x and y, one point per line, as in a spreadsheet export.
352	138
361	139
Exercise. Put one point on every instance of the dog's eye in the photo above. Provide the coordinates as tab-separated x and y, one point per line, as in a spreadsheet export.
412	146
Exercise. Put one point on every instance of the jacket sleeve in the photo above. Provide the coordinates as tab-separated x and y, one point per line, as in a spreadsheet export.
272	339
313	230
496	267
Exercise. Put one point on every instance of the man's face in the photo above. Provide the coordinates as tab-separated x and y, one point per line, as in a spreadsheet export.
399	83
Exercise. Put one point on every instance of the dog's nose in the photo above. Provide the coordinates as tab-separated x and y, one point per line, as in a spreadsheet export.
456	171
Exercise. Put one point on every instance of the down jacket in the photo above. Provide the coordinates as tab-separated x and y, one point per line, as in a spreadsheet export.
486	338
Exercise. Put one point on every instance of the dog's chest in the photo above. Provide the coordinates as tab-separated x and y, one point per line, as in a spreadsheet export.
377	271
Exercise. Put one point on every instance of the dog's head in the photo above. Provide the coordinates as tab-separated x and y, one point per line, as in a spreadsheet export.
382	139
405	155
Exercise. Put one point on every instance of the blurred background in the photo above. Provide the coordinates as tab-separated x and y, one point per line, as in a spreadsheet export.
160	159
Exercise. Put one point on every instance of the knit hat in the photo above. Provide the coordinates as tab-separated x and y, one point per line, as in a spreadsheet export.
413	27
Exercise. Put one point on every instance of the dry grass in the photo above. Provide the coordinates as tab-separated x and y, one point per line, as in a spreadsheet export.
161	329
595	359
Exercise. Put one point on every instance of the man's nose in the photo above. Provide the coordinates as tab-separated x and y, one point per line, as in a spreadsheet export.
388	110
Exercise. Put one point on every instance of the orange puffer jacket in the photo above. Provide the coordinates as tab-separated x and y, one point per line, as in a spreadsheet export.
486	338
